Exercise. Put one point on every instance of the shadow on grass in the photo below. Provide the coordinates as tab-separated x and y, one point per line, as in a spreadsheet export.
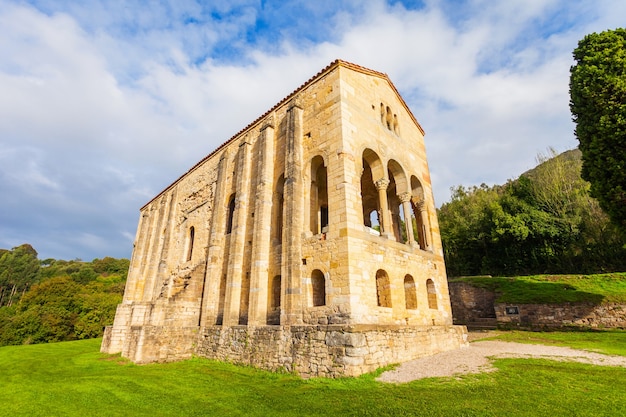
531	291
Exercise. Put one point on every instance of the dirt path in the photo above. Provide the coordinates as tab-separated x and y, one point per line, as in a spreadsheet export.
476	359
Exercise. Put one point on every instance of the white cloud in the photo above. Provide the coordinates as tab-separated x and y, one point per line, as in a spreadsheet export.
104	105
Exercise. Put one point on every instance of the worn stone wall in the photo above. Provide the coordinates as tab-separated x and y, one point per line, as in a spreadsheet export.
470	303
326	351
609	315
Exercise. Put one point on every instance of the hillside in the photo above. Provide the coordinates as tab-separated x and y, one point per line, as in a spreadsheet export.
544	222
56	300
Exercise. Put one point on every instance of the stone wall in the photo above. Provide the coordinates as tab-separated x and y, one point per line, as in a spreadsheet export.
309	351
537	316
470	303
326	351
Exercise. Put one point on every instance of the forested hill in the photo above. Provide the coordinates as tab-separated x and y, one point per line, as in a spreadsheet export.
543	222
56	300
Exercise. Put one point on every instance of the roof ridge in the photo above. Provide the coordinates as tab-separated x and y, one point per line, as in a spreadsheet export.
334	64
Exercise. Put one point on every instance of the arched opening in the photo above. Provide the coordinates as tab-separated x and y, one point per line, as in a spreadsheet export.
410	293
278	203
389	119
273	312
370	197
319	196
421	228
231	214
398	195
432	294
383	289
318	288
220	307
190	239
395	208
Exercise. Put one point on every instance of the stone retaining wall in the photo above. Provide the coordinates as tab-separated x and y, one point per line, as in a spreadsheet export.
600	316
471	304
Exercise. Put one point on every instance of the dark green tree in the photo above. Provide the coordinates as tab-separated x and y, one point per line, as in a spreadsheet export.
19	269
598	105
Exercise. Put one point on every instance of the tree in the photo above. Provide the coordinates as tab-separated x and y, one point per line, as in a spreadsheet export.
19	268
598	105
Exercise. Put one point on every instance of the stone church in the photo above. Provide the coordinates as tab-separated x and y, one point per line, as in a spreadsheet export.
308	242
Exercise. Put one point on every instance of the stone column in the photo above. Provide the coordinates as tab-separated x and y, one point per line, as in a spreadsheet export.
421	208
232	302
405	199
131	292
154	253
261	244
213	271
385	215
291	300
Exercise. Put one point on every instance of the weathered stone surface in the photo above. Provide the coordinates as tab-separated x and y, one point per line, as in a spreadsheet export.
285	248
471	304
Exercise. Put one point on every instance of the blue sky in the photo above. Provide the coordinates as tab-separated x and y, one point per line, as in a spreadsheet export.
105	103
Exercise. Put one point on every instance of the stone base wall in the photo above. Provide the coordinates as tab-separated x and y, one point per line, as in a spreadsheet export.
310	351
608	315
326	351
146	344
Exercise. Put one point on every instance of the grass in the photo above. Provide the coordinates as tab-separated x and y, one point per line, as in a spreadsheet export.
546	289
74	379
609	342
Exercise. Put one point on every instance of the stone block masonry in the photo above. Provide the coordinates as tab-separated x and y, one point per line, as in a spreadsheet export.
308	242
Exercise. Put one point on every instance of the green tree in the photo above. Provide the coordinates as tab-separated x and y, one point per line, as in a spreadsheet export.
598	105
19	269
543	222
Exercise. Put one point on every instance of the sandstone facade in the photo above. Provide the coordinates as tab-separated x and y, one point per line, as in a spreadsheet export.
287	247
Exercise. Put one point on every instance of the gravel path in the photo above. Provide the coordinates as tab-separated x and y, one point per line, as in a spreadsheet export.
476	359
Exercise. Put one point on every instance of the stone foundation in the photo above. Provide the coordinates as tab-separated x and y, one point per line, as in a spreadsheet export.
310	351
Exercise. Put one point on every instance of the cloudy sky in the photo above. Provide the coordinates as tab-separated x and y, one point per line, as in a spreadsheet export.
105	103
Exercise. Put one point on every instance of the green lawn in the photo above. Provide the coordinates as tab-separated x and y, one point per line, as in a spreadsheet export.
74	379
541	289
609	342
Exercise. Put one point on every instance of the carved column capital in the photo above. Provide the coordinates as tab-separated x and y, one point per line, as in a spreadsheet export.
404	197
419	204
381	184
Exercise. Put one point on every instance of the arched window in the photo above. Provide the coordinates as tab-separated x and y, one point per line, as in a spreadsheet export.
389	119
421	228
275	292
190	240
432	294
231	214
318	288
383	289
410	293
372	170
398	187
278	202
319	196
